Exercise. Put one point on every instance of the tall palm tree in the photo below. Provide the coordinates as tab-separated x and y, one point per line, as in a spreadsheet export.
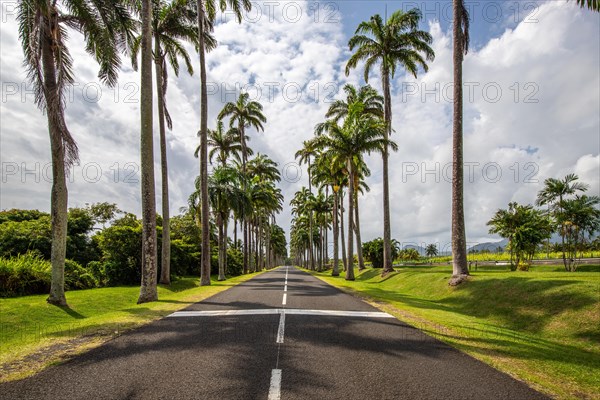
206	15
171	23
148	291
107	30
554	194
395	42
360	134
225	193
460	46
303	156
245	114
326	172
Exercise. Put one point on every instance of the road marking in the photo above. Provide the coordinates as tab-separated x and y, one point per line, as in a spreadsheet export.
275	388
285	288
336	313
281	329
284	299
218	313
272	311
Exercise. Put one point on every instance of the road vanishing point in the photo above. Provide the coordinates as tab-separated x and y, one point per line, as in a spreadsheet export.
283	334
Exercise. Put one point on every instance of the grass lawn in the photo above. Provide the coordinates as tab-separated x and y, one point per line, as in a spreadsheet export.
540	326
34	334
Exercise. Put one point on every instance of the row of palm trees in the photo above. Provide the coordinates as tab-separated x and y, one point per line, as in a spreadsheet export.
109	31
243	189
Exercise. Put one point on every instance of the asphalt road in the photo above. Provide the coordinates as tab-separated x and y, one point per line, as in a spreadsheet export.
245	343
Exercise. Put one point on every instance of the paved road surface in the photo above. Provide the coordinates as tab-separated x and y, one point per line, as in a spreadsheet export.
270	338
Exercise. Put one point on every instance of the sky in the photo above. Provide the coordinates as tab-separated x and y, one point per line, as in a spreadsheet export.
532	111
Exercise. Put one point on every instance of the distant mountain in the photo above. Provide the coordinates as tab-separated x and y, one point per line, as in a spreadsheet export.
488	246
420	249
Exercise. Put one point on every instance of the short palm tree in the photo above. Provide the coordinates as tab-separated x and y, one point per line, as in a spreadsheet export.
398	41
43	26
554	194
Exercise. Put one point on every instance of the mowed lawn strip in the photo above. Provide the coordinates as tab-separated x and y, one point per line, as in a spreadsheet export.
540	326
34	333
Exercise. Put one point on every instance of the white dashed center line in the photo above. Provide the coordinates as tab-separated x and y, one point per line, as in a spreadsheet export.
275	388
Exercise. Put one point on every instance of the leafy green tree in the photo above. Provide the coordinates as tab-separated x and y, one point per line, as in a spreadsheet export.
524	227
373	251
106	28
398	41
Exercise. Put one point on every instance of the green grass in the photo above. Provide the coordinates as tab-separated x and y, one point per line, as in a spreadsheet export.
540	326
29	325
505	256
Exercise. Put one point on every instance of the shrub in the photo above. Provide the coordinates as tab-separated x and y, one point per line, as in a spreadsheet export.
235	261
25	274
373	251
29	274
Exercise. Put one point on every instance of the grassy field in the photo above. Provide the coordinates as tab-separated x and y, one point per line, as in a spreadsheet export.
34	334
540	326
505	256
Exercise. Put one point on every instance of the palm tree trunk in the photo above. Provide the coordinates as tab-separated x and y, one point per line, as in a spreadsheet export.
244	221
226	224
165	272
326	231
59	194
310	220
221	247
235	223
344	260
459	242
205	262
387	231
350	269
361	261
335	271
148	290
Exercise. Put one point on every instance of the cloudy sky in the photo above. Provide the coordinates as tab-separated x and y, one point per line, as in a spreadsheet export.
532	110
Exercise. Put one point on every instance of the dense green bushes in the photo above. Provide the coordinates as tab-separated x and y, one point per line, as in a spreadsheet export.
29	273
373	251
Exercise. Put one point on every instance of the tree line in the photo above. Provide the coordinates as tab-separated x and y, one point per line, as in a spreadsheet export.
157	29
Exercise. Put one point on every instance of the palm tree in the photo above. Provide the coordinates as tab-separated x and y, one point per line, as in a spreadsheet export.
360	134
172	22
303	155
431	250
397	42
326	172
225	194
206	15
107	30
554	194
593	5
148	291
367	101
460	268
245	114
